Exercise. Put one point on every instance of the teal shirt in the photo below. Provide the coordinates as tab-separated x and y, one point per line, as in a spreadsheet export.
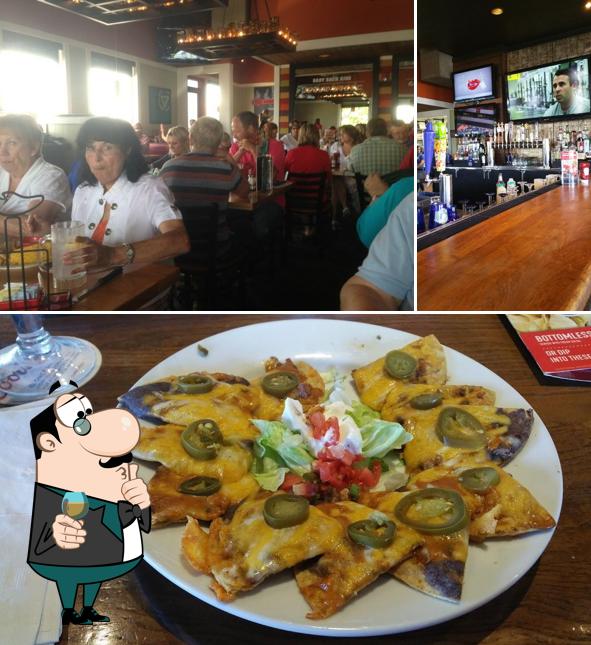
374	217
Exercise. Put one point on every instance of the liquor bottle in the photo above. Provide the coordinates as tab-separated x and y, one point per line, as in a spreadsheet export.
501	188
482	152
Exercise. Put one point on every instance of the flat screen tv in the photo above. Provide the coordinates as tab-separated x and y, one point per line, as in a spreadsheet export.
474	84
560	90
476	120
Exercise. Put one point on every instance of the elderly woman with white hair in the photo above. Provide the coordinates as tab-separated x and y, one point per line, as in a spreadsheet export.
24	171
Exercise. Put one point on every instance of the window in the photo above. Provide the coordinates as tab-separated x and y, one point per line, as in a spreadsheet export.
192	99
33	74
212	100
112	88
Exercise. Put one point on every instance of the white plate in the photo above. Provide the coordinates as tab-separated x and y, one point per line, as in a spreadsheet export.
387	606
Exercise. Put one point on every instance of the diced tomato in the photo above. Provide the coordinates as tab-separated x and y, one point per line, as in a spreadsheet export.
290	480
348	457
369	477
317	421
320	426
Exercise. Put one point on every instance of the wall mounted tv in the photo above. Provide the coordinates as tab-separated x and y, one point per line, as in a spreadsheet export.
560	90
474	84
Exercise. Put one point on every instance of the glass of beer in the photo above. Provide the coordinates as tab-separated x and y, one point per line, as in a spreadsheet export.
75	505
63	240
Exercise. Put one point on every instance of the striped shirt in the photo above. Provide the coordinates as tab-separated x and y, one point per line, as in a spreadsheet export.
377	154
200	179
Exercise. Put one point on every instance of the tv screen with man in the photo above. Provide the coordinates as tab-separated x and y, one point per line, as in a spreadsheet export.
557	90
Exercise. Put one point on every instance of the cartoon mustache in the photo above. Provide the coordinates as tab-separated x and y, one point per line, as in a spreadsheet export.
113	462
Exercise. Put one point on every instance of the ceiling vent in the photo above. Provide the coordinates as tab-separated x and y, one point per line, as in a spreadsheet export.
436	67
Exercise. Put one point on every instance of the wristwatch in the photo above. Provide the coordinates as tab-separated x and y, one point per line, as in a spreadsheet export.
129	252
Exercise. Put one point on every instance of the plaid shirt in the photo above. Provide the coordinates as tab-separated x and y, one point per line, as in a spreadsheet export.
377	154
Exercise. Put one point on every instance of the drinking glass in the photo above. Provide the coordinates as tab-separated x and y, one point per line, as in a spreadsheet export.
75	505
38	360
63	240
491	198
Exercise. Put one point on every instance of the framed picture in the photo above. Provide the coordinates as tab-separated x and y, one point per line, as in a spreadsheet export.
263	100
160	105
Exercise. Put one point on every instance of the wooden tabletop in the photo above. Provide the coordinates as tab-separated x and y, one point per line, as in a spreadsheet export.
135	288
533	257
257	196
550	605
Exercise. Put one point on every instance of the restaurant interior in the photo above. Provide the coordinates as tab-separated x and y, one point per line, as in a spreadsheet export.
504	199
158	65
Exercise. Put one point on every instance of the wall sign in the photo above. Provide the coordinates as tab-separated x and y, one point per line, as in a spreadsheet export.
160	105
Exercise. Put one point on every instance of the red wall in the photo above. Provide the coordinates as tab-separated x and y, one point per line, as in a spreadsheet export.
136	39
330	18
252	71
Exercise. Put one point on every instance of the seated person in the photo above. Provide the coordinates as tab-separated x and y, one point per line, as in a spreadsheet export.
384	200
269	130
129	214
24	171
308	157
177	139
200	177
385	280
290	140
268	215
377	153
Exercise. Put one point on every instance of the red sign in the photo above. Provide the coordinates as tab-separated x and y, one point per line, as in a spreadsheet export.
560	350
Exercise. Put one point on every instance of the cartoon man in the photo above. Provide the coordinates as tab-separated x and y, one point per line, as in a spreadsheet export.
565	87
82	451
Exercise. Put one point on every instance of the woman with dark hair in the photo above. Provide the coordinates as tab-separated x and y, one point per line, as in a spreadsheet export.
129	214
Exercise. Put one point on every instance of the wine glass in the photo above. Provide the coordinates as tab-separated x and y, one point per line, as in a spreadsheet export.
75	505
37	360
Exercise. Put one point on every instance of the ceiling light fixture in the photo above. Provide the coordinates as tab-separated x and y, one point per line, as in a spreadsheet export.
248	39
497	11
587	5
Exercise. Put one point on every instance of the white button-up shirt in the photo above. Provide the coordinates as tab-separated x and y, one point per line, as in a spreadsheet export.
42	178
137	209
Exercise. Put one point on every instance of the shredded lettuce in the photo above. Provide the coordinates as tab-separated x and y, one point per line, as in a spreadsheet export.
282	445
268	474
362	414
379	437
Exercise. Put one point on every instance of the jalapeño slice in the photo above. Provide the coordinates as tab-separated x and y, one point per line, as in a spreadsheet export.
279	383
437	511
195	383
282	511
400	365
459	429
372	533
426	401
202	438
479	480
200	486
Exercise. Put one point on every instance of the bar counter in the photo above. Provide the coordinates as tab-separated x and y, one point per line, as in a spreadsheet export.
533	257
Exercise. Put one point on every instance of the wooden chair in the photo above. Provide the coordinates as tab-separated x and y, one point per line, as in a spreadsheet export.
307	203
389	178
210	282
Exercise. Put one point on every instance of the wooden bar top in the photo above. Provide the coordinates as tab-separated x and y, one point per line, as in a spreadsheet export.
256	197
550	605
135	288
533	257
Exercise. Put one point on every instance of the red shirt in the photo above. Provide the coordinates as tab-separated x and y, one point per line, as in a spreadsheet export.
248	162
307	159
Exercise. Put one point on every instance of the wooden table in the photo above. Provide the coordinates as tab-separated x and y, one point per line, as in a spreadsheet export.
135	288
256	197
533	257
550	605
